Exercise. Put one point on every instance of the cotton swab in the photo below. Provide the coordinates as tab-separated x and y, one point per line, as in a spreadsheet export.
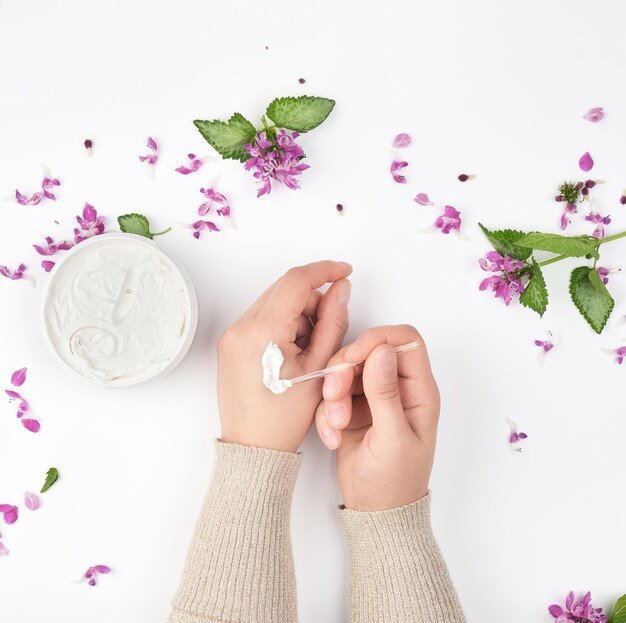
342	366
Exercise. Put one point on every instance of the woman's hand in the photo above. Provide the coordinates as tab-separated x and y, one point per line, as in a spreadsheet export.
381	417
309	327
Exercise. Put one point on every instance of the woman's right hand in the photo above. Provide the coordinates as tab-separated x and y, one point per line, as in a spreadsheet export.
381	417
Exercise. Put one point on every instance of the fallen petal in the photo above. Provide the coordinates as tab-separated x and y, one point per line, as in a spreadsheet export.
10	513
31	424
32	501
18	377
401	141
3	550
586	162
47	265
423	199
594	114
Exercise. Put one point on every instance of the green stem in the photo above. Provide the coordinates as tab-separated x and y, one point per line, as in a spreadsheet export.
159	233
611	238
556	258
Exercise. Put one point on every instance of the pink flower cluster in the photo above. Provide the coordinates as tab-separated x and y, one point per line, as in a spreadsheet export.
512	277
47	185
278	160
29	423
579	611
600	221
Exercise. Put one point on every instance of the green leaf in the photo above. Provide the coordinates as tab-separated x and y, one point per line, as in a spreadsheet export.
591	297
571	246
138	224
504	242
619	612
535	295
51	477
228	138
299	113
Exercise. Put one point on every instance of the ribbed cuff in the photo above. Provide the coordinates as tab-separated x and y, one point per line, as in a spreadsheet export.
397	572
239	565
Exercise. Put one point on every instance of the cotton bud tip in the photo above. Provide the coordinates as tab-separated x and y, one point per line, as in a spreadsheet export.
89	146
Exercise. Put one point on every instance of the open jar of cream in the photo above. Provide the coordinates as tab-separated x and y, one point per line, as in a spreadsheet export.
119	310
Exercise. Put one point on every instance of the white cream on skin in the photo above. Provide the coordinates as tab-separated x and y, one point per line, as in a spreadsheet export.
118	310
272	361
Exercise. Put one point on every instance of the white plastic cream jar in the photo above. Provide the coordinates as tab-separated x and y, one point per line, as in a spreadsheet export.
119	310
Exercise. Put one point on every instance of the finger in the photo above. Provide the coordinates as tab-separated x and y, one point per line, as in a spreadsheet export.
330	436
288	299
382	389
310	309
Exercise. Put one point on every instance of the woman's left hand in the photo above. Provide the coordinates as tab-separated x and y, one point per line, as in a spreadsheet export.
309	327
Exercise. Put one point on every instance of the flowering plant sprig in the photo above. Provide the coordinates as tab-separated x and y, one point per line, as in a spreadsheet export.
271	152
517	272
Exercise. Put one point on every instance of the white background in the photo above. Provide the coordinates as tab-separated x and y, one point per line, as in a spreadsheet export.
492	88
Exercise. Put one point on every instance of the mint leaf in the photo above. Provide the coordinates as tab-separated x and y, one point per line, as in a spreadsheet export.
138	224
299	113
535	296
619	612
571	246
591	297
228	138
51	477
504	241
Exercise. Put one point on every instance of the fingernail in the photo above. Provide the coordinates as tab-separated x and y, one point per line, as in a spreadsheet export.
344	294
331	438
386	364
334	413
330	386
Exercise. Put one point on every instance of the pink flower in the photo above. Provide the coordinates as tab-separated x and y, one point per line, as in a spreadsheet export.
47	184
194	165
396	165
449	221
3	550
600	221
47	265
545	346
278	160
594	114
570	208
9	512
579	611
23	406
214	198
201	225
514	436
586	162
90	224
423	200
91	573
18	377
512	278
32	501
14	275
619	352
401	141
33	200
153	157
52	247
605	272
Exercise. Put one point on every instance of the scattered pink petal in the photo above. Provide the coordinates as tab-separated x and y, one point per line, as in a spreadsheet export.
464	177
47	184
52	247
449	221
47	265
33	200
92	572
545	346
423	199
90	224
201	225
153	157
586	162
401	141
214	198
619	353
9	512
396	165
31	424
514	436
18	377
14	275
594	114
32	501
194	164
3	550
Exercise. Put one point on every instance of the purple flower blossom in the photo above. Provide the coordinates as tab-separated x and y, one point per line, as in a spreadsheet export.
277	160
153	157
620	353
423	199
90	224
545	346
396	165
600	221
32	501
91	573
514	436
47	184
449	221
47	265
510	281
594	114
605	272
200	226
214	198
14	275
194	164
580	611
9	512
52	247
33	200
401	141
586	162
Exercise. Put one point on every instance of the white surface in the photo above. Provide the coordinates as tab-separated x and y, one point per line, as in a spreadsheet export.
497	89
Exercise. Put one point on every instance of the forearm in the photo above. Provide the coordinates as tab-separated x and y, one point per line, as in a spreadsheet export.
397	572
239	566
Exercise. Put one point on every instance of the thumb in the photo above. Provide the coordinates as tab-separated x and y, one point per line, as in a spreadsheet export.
382	390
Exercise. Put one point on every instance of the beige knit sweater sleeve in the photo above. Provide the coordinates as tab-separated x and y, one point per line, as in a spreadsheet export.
239	566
